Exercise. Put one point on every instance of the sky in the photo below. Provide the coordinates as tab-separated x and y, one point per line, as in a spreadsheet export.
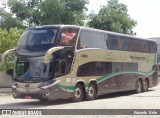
145	12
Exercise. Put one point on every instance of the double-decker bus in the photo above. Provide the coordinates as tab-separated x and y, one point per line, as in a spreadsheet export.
67	61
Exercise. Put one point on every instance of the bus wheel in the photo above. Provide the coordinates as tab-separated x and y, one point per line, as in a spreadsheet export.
43	100
138	86
145	85
91	94
78	93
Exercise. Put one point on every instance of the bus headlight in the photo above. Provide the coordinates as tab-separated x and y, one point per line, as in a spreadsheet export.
14	86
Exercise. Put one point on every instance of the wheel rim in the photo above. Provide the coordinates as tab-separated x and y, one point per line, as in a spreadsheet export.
139	86
77	93
145	85
91	91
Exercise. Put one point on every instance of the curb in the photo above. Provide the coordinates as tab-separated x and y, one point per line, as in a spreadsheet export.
5	90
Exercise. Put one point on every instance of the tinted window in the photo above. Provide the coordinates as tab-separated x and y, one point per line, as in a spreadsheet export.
145	47
123	43
102	39
94	69
136	45
37	39
113	42
104	68
87	39
68	37
153	47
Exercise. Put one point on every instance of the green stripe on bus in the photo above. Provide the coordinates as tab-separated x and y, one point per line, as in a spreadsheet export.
98	80
155	59
66	87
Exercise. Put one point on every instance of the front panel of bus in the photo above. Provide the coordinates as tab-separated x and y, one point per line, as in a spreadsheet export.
32	77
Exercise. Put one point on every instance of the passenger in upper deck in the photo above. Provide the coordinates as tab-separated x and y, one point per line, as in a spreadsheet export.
49	37
44	38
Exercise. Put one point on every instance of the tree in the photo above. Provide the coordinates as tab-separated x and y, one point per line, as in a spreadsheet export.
8	40
43	12
113	17
7	20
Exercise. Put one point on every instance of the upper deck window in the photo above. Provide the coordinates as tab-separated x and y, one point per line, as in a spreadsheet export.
102	39
37	39
124	43
68	37
87	39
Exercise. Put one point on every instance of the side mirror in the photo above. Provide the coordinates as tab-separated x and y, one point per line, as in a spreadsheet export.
4	57
6	53
50	52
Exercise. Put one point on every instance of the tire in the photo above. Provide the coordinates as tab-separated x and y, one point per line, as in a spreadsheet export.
43	100
78	93
138	86
92	92
145	85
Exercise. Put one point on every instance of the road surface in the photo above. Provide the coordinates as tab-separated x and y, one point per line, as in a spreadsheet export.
121	100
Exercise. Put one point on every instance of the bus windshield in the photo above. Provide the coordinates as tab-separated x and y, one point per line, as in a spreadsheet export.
37	39
31	69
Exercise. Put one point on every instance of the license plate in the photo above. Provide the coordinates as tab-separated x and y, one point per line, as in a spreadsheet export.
28	97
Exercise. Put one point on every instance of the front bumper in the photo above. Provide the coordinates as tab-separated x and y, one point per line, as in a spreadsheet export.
51	93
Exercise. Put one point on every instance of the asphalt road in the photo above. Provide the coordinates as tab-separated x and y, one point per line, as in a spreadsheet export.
121	100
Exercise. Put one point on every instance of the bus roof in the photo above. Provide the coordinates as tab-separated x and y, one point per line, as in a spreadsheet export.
93	29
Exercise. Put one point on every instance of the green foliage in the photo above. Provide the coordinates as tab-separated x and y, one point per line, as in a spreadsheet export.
27	10
8	40
113	17
43	12
7	21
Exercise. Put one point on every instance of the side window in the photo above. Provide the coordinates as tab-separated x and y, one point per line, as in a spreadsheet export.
94	69
145	47
130	45
153	47
125	44
119	43
115	42
117	66
112	42
87	39
68	36
87	69
137	45
102	39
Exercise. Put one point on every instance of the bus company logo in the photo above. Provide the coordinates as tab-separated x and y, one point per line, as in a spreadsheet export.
6	112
